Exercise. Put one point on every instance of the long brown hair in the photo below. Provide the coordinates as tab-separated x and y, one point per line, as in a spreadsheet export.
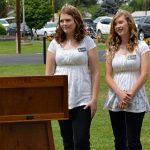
114	39
60	36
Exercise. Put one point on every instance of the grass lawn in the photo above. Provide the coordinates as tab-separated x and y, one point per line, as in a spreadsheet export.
9	47
101	132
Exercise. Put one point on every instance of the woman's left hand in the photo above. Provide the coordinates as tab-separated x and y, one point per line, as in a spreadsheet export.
93	106
126	101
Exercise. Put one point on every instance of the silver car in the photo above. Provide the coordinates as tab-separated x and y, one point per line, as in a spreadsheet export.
48	30
144	28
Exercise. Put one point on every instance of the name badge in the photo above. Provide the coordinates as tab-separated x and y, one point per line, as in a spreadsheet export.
131	57
81	49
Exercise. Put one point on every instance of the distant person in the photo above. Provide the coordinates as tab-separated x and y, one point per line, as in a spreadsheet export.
127	69
73	53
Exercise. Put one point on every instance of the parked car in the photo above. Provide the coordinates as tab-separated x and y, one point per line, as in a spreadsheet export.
90	27
137	19
24	29
48	30
12	29
4	23
144	28
96	20
89	22
90	31
103	26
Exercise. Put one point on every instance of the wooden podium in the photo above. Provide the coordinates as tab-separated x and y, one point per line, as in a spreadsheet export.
27	104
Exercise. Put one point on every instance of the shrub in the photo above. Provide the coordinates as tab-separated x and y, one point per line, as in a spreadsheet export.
49	38
2	30
147	41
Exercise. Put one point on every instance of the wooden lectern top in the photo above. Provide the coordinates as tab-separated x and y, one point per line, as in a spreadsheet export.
33	98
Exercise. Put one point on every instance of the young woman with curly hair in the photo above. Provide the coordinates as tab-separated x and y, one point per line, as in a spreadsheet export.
73	53
127	69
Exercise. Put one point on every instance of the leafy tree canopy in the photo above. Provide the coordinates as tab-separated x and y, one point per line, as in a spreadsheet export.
3	12
81	2
146	5
139	5
109	6
86	6
37	13
120	2
94	10
136	5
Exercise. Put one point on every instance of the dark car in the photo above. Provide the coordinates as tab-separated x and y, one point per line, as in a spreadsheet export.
144	27
89	22
25	30
90	27
12	29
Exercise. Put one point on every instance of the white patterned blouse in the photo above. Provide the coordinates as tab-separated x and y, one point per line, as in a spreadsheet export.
126	72
74	63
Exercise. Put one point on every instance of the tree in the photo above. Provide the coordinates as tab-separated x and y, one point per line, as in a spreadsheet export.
120	2
3	11
81	2
96	11
139	5
11	2
58	5
126	7
2	30
109	6
146	5
86	6
136	5
37	13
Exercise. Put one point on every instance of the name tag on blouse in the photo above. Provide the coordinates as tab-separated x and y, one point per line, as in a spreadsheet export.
131	57
81	49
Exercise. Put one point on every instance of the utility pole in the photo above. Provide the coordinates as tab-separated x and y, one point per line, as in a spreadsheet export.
53	6
18	39
23	15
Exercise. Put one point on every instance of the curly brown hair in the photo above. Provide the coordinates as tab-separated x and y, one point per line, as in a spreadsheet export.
60	36
114	39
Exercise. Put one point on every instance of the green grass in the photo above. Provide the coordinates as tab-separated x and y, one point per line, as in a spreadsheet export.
101	46
9	47
22	70
101	132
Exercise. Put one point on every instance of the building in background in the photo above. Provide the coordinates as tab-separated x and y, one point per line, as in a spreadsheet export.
140	13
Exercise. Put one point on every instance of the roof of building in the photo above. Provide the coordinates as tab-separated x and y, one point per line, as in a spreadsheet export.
141	13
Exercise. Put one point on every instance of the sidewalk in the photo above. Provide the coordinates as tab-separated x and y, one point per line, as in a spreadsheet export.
20	59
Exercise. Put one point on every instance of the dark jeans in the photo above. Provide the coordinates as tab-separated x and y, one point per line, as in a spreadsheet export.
76	131
127	129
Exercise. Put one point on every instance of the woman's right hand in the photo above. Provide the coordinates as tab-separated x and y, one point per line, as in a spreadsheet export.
125	99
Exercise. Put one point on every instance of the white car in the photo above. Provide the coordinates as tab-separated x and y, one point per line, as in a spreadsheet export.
4	23
103	26
96	20
48	30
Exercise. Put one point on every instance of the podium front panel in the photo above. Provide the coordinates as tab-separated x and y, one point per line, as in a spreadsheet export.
25	136
33	98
